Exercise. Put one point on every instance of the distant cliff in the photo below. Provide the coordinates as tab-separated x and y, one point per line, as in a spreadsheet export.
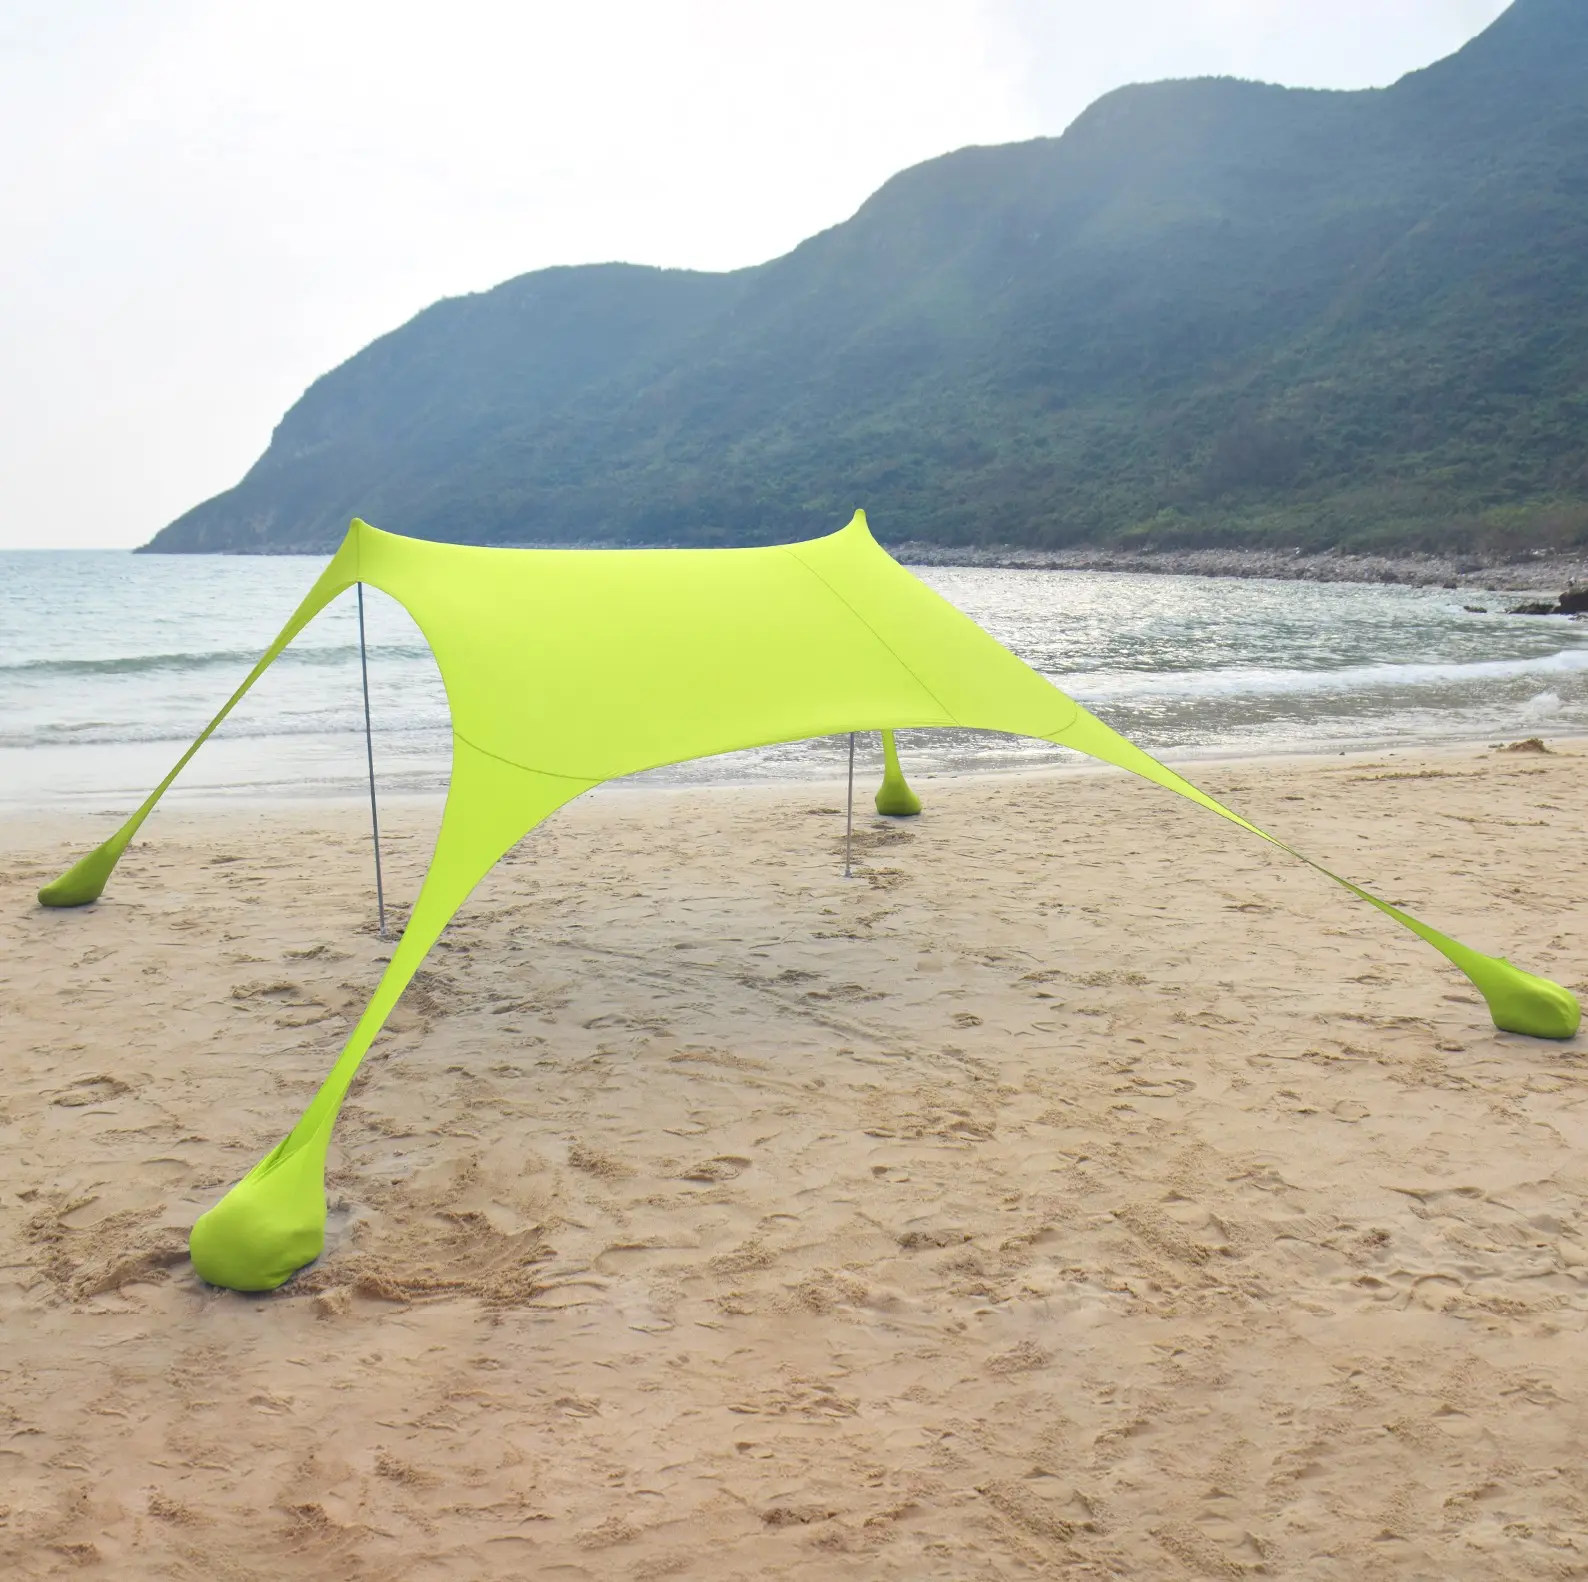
1212	313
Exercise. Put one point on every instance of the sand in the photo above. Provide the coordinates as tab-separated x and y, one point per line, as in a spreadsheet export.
1081	1190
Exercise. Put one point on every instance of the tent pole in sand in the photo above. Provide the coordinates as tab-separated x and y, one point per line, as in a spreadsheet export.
369	754
849	808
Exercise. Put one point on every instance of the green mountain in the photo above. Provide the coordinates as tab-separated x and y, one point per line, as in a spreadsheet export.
1212	312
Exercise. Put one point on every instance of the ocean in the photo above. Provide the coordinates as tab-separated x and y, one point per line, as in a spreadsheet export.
110	663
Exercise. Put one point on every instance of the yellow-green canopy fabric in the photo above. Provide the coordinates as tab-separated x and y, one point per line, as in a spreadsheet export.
565	668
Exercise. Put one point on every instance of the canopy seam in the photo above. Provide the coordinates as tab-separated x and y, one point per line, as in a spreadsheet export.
512	763
887	647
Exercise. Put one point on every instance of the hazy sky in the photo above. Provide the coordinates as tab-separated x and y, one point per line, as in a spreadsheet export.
207	205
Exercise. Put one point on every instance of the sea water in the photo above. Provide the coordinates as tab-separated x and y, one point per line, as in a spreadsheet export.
110	663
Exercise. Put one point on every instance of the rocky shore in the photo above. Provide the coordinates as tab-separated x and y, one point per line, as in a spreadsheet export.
1535	573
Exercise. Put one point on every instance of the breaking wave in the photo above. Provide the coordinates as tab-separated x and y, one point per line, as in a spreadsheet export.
1117	686
239	660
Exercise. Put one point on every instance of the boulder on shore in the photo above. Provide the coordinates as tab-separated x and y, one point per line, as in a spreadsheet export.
1574	601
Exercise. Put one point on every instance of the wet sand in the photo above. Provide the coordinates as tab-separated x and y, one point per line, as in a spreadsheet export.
1083	1189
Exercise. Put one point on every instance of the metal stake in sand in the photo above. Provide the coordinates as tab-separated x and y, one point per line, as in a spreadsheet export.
369	753
849	808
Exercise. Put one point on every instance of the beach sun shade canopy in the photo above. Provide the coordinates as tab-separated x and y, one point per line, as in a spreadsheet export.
565	668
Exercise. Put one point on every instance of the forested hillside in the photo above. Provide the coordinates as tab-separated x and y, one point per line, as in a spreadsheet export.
1212	312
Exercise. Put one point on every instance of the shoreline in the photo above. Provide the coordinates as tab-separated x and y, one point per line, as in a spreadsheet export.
1538	572
217	804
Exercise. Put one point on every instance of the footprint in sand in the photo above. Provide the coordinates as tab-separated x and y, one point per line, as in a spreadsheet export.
1157	1087
89	1090
725	1167
166	1168
626	1257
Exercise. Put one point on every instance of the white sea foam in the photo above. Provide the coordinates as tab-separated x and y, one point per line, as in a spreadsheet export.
1260	681
228	659
1543	705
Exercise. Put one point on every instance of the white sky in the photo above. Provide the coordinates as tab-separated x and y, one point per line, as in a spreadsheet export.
207	205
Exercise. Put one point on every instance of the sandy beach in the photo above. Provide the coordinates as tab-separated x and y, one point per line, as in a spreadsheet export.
1083	1189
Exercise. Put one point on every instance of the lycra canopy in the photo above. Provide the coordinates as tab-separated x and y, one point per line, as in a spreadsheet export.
564	668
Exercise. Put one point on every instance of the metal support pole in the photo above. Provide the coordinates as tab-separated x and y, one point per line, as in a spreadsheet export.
849	809
369	753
